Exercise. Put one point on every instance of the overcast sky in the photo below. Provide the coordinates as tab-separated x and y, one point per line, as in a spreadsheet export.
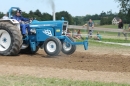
74	7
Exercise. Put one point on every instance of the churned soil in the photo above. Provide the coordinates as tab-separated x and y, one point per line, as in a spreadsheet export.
82	65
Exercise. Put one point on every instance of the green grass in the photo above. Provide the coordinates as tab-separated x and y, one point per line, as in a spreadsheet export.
110	35
100	45
115	40
105	33
96	43
109	26
96	22
103	45
113	26
101	32
34	81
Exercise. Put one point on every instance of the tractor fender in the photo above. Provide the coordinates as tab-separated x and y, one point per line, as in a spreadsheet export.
11	21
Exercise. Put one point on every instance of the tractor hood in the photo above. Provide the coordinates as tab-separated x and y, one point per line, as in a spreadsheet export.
36	24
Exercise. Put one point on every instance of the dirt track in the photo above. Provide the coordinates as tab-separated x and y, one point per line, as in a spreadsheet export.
101	65
78	61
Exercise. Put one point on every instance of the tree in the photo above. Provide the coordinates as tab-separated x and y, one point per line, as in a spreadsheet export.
38	13
25	15
125	5
66	16
103	14
31	13
124	10
1	14
46	16
79	20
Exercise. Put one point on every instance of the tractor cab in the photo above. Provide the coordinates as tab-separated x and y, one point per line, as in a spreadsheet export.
11	10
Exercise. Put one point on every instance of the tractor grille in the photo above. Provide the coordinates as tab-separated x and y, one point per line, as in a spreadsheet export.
65	25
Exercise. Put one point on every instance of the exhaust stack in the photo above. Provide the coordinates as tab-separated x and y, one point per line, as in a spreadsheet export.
53	9
54	16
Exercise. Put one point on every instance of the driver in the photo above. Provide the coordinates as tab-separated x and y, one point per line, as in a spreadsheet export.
24	27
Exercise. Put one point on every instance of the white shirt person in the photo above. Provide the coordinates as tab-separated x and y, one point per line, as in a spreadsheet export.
5	17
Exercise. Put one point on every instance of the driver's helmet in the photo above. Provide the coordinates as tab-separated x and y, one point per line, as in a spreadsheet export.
19	11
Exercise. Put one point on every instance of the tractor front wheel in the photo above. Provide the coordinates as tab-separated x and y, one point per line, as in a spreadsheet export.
52	46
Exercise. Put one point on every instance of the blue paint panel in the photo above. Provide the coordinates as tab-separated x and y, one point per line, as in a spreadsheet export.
58	31
43	34
56	25
33	46
32	37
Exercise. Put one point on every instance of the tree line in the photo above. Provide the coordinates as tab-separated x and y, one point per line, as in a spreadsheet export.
124	12
104	17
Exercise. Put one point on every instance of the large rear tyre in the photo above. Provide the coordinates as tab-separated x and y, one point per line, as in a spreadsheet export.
68	48
52	46
10	39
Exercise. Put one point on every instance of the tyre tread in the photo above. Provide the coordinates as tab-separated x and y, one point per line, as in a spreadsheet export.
16	39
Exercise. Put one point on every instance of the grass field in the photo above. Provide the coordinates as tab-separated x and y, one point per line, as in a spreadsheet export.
107	46
34	81
110	36
113	26
96	22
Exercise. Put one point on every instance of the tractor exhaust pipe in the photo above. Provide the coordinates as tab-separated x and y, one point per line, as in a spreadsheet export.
54	16
53	9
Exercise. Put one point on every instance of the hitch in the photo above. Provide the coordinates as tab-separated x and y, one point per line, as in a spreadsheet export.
85	43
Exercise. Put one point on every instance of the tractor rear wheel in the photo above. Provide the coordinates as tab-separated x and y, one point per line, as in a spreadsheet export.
10	39
68	48
52	46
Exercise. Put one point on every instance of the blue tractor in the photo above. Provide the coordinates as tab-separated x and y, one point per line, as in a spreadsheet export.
47	35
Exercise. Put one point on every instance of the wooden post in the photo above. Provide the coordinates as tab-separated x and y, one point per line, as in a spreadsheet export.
88	27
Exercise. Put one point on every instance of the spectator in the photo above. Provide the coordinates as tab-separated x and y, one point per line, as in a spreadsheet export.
98	37
129	27
5	17
69	33
91	26
75	35
79	34
120	26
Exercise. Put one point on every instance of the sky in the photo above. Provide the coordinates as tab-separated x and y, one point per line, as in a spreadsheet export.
74	7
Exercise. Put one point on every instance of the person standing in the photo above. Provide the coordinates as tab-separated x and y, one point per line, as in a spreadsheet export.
120	26
91	26
5	17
